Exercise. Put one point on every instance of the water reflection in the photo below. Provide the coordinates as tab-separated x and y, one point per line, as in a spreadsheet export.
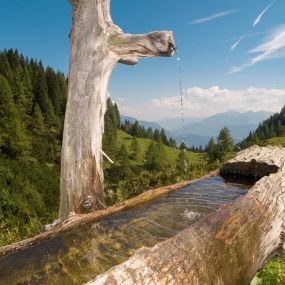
78	256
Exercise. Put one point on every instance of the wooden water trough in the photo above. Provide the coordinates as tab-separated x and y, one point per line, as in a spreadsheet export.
225	247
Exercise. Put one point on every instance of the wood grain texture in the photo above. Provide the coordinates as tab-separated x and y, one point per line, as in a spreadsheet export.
225	247
97	45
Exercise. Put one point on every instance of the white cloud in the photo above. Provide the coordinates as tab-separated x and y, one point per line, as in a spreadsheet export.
259	17
213	17
205	102
272	47
125	109
246	36
120	99
235	45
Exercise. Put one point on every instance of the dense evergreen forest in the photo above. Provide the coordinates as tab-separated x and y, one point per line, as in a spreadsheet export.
131	174
138	131
32	106
270	128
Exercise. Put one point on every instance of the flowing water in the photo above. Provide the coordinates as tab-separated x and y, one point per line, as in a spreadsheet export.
80	255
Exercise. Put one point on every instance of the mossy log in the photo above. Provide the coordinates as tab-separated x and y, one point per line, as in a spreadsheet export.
97	45
225	247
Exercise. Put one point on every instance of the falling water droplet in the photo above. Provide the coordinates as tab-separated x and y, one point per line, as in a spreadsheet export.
181	93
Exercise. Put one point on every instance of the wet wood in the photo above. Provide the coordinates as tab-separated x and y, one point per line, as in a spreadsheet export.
78	220
97	45
225	247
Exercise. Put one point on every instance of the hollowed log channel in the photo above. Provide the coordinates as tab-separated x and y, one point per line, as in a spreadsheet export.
225	247
248	169
81	254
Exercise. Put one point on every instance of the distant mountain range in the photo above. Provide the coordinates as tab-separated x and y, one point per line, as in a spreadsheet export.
239	124
172	124
145	124
199	131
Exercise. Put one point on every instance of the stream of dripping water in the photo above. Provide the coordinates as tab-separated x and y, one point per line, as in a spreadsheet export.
181	94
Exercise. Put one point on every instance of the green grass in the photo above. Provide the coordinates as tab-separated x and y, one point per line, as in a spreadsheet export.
278	141
172	153
273	273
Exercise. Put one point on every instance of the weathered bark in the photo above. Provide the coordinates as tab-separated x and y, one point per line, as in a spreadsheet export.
96	46
256	162
225	247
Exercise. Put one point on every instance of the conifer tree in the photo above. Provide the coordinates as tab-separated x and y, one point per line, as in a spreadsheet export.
53	90
182	163
225	143
155	156
164	137
135	147
156	135
110	132
124	161
19	92
118	117
211	150
13	138
136	130
42	98
172	143
149	133
5	68
28	93
38	126
183	146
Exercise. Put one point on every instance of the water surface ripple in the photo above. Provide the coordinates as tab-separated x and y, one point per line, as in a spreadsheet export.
80	255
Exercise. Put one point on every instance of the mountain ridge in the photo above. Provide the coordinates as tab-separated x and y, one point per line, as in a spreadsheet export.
198	131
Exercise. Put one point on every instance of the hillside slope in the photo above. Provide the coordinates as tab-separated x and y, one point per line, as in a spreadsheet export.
171	153
270	131
277	141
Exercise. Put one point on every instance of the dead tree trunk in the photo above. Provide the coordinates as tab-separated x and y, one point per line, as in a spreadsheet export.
96	47
225	247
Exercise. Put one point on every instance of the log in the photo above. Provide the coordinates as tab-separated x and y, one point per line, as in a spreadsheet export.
96	46
225	247
255	162
82	219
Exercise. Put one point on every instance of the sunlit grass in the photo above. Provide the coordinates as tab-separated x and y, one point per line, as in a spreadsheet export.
273	273
171	153
278	141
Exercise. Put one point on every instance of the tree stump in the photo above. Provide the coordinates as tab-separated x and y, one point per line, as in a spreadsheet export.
96	46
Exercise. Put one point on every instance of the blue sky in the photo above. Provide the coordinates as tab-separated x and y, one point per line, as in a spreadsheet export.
215	78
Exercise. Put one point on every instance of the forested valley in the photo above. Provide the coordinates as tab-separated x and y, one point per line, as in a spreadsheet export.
32	106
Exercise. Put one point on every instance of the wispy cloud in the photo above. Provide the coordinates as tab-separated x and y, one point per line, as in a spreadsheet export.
272	47
213	17
203	102
259	17
246	36
125	109
235	45
120	99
